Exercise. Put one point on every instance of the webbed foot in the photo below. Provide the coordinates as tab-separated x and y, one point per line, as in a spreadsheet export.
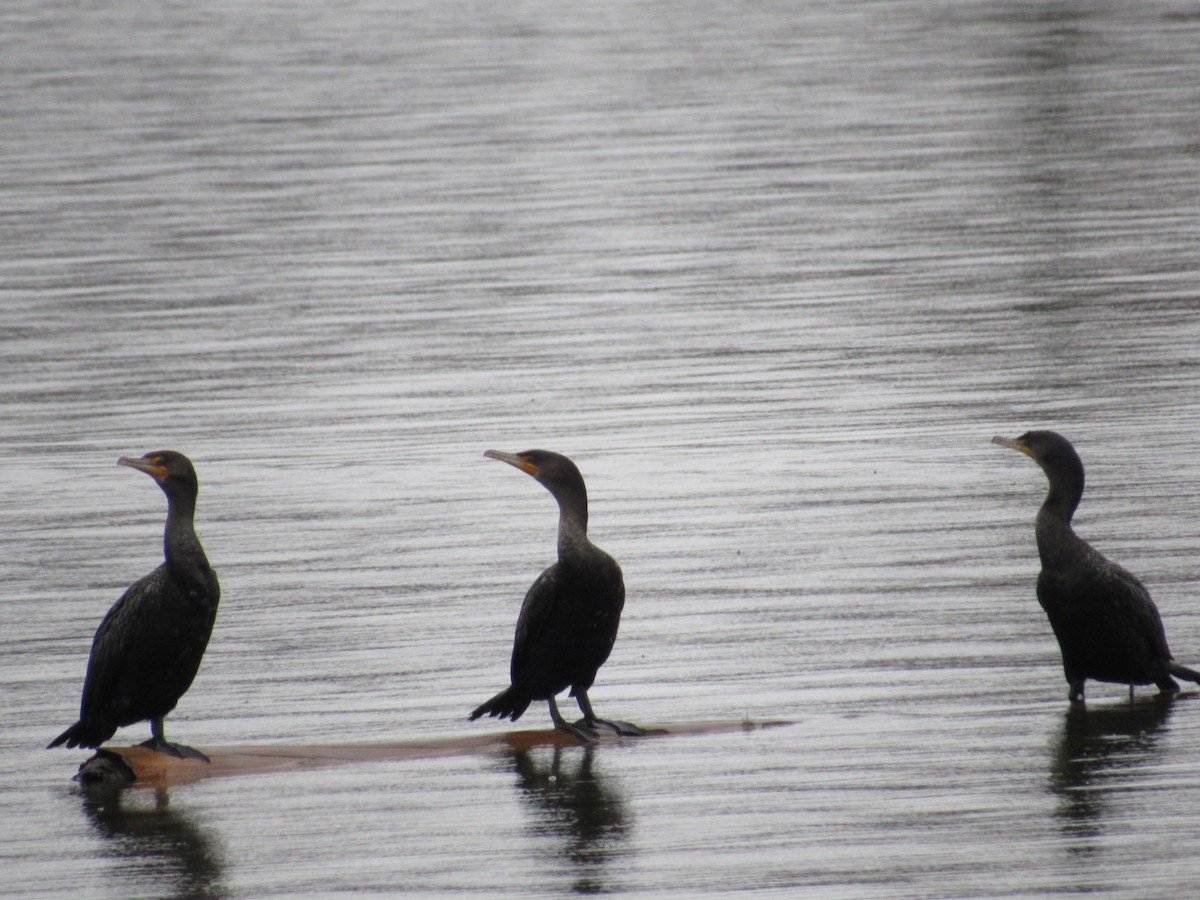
591	720
625	729
179	751
580	729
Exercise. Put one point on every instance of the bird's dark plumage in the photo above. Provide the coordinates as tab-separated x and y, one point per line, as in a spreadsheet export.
568	622
149	646
1107	626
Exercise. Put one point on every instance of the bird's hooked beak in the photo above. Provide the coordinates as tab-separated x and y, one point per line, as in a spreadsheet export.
150	464
513	459
1013	444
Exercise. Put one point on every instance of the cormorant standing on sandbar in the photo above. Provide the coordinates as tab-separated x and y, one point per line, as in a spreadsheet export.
148	648
1107	626
568	622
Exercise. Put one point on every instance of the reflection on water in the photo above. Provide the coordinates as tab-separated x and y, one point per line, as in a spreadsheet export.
154	844
581	811
1099	751
772	277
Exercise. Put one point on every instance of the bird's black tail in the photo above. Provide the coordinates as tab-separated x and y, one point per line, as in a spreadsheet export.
1185	673
81	735
508	704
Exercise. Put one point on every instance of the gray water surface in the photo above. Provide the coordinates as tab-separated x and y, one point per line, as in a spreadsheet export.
773	274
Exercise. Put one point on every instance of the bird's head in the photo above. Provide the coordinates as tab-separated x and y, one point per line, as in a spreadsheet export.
555	472
172	470
1049	449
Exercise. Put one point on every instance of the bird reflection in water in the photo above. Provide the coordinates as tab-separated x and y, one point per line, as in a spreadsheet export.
1101	751
576	806
159	851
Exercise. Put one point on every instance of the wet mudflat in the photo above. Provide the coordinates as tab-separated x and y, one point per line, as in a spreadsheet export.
772	276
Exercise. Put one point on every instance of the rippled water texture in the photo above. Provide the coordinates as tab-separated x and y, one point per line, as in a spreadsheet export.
773	274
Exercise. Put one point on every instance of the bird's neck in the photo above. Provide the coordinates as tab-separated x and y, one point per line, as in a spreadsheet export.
572	528
1054	536
1054	532
181	546
1066	490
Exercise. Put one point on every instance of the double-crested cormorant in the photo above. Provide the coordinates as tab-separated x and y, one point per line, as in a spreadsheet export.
569	619
148	648
1107	626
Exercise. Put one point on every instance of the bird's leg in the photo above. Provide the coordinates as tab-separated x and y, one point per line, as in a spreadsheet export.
160	744
1167	685
157	741
581	730
626	729
1131	692
1076	694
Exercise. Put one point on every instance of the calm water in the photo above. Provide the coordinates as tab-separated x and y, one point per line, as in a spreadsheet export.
772	273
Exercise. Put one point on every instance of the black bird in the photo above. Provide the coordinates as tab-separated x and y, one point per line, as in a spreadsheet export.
148	648
569	620
1107	626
